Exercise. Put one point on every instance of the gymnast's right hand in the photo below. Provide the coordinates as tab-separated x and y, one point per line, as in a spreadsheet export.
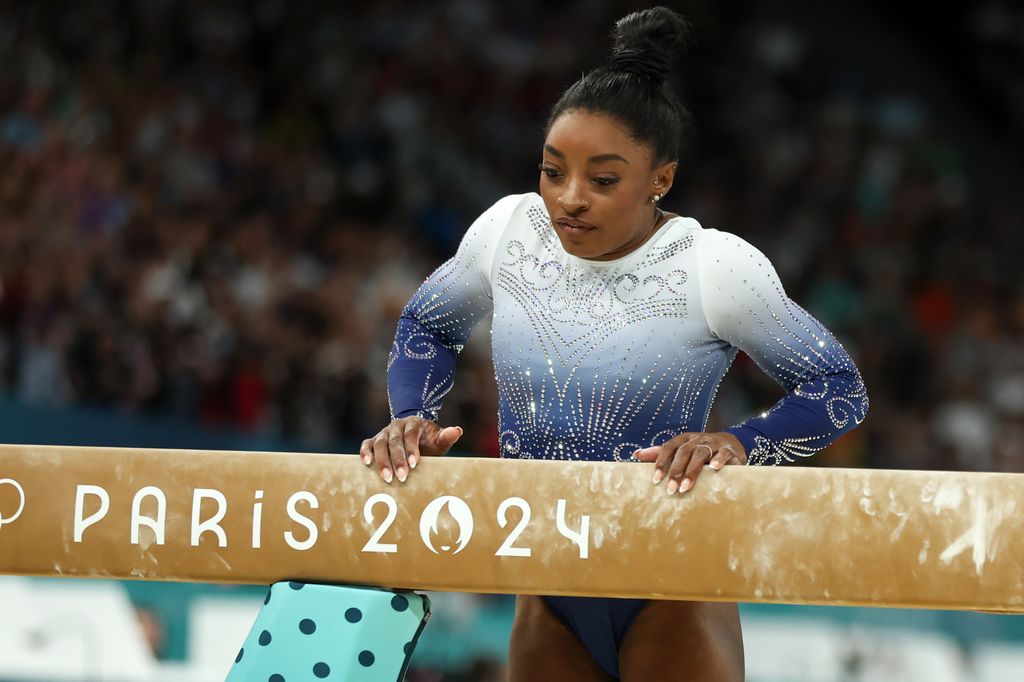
396	449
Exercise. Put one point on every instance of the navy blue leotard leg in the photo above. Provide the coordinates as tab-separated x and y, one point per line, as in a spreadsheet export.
599	623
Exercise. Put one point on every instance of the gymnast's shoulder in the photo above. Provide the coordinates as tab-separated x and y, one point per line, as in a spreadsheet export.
512	207
723	252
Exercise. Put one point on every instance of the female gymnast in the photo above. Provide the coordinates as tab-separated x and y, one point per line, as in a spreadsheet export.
613	325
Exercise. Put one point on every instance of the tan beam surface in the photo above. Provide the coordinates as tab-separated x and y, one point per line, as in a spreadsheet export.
790	535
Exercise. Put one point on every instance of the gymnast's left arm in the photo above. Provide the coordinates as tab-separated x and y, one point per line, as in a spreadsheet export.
432	331
437	321
745	304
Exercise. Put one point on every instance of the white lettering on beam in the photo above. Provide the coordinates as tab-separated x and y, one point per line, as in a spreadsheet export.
508	548
582	538
257	520
82	523
157	525
295	516
211	524
374	544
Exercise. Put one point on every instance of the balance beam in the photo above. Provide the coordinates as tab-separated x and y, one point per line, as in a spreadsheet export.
796	535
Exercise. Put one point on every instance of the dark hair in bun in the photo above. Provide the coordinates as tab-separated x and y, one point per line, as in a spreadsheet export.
631	86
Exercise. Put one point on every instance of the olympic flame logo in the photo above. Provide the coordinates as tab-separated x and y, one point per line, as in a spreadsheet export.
458	510
21	503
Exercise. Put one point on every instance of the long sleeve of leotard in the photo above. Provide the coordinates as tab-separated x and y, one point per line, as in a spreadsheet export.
439	317
746	306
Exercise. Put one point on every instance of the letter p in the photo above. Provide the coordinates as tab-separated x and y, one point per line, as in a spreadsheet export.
82	522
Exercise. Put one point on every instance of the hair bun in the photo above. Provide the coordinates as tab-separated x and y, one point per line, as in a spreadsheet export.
648	42
649	63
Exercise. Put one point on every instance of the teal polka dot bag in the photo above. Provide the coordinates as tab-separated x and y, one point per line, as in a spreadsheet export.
317	632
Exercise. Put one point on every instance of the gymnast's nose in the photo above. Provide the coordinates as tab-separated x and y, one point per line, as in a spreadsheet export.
572	200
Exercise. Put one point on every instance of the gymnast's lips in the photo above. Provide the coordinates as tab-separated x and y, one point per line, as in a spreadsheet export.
574	225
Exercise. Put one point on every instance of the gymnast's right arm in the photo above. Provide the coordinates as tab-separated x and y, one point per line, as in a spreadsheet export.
432	330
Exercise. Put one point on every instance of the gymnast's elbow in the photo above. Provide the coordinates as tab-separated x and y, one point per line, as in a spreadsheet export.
848	403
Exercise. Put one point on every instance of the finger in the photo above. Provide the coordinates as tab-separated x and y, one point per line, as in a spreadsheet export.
662	455
702	452
724	455
366	452
647	454
661	465
680	460
447	437
728	455
411	436
396	444
381	458
650	454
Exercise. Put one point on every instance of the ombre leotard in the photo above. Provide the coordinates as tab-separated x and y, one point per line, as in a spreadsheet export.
595	359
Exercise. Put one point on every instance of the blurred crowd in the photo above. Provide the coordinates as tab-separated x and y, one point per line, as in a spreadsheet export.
218	210
995	47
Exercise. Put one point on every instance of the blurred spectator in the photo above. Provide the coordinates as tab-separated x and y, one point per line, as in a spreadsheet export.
153	628
219	210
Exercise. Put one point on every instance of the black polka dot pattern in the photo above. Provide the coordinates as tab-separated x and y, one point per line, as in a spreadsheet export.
321	670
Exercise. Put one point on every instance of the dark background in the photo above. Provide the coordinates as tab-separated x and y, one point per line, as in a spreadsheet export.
212	213
216	210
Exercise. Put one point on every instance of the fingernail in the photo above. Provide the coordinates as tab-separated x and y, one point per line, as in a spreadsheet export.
367	460
386	473
636	453
402	473
672	487
412	461
716	465
658	475
686	485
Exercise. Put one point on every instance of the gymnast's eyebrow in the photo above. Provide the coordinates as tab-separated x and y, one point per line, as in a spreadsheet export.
593	159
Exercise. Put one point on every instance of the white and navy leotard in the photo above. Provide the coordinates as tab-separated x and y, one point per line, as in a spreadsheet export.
595	359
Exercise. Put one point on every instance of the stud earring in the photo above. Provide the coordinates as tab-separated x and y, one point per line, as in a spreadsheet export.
656	198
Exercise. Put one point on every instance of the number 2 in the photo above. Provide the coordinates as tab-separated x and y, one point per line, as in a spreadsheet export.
374	544
506	548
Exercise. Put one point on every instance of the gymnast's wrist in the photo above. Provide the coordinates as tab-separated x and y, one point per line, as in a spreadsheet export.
745	435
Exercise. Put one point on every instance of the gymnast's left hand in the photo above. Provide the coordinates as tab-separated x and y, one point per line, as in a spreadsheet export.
684	457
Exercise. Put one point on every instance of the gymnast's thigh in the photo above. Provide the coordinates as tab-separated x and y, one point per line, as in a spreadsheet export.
684	641
543	648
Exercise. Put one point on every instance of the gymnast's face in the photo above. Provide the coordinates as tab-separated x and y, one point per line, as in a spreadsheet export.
597	183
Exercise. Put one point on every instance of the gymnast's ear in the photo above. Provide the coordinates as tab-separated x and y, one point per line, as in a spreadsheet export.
664	176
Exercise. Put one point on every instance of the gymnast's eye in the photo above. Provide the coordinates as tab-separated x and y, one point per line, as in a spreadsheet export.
605	181
550	172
